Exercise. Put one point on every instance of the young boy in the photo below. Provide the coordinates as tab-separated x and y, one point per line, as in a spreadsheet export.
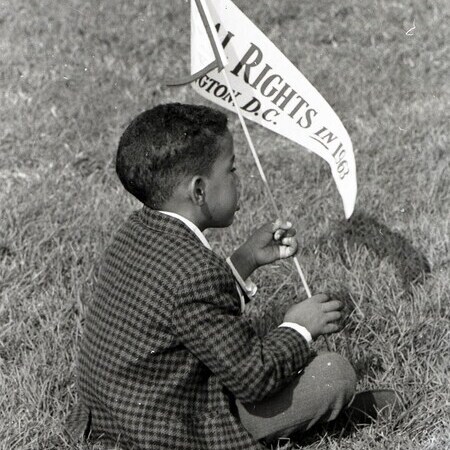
167	360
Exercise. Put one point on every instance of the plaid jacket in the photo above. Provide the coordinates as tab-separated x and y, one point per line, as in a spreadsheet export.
165	349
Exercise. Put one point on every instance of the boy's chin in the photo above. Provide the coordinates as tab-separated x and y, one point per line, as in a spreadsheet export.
231	219
224	223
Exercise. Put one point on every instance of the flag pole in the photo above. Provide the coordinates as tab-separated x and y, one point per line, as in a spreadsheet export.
212	33
263	175
266	184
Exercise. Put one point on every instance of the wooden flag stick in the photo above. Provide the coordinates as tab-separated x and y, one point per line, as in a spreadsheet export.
266	183
262	174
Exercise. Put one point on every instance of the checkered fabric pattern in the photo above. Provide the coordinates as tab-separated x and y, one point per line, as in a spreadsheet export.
165	348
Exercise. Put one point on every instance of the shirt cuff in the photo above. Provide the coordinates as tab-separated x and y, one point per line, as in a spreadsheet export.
302	330
247	286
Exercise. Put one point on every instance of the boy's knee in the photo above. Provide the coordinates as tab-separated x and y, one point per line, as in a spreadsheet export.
339	365
336	375
325	386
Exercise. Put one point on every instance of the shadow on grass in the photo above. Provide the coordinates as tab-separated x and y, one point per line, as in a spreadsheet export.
411	266
364	230
411	269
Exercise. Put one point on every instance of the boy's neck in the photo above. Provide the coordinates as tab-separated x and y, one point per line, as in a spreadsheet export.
187	213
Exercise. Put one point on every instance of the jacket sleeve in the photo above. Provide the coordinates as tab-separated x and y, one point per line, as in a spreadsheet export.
207	320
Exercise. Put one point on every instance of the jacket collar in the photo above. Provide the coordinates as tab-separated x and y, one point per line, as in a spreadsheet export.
167	223
191	225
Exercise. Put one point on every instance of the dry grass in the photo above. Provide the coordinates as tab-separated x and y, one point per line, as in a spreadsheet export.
73	73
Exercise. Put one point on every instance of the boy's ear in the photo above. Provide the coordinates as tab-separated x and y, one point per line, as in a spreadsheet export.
197	190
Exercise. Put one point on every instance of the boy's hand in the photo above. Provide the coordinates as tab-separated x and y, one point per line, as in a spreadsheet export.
318	314
271	242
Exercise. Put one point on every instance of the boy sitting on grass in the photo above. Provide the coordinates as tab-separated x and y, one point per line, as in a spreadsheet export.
167	359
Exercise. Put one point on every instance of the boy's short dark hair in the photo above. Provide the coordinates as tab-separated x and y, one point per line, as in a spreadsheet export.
165	143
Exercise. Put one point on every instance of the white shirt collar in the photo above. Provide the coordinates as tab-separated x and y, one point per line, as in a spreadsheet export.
191	226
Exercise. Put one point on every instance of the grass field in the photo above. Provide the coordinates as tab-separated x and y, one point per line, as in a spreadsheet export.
74	73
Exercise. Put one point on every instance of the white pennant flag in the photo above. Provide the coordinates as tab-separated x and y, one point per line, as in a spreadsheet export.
268	88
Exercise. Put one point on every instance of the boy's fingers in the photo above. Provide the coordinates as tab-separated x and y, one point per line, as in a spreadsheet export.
332	327
320	298
332	305
285	233
289	247
280	224
283	230
289	240
333	316
278	234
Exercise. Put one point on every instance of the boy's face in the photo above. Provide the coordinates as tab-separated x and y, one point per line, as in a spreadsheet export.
222	196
